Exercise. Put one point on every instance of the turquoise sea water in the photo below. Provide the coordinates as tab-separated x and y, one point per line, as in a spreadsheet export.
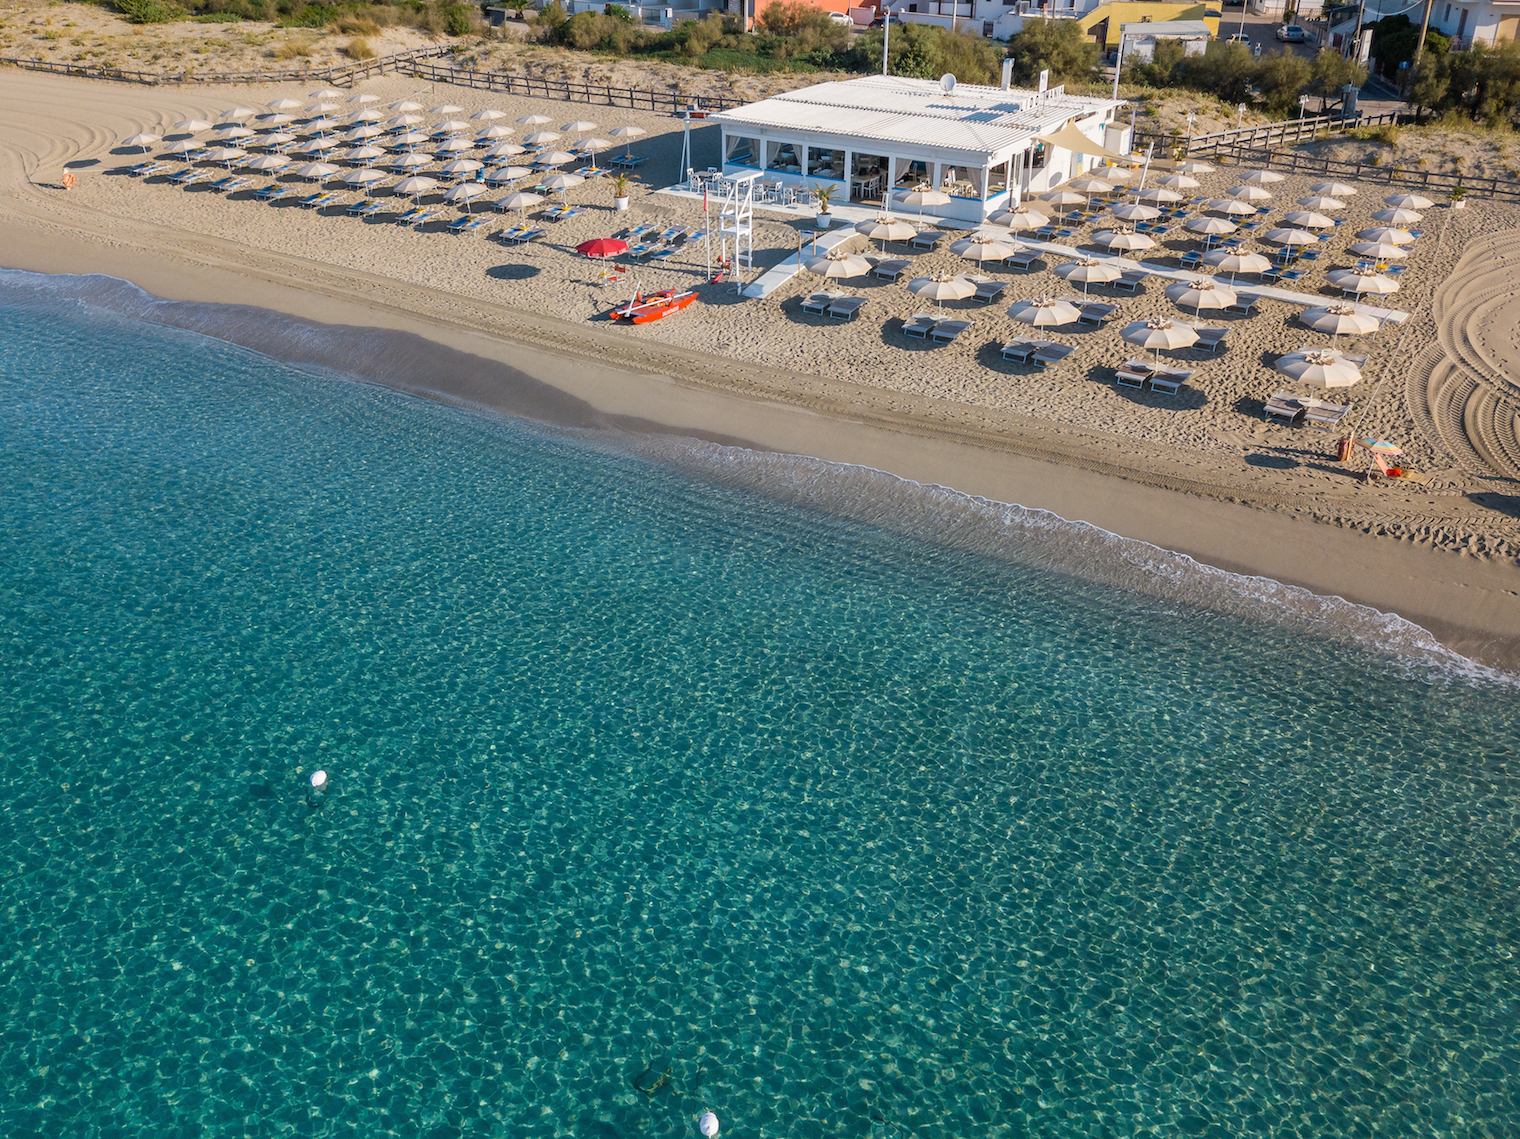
638	771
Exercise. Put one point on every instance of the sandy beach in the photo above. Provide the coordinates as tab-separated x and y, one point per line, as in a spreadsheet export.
1203	473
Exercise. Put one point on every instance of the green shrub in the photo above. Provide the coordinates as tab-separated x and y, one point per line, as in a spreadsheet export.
218	18
456	20
148	11
1057	45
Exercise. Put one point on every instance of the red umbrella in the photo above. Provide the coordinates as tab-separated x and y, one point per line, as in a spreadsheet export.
602	247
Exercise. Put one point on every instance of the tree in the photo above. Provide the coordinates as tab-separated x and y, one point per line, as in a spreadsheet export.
1225	70
1281	77
1394	39
1058	45
1428	90
1330	72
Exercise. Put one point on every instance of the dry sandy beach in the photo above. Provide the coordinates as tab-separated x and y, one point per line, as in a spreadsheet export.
1203	473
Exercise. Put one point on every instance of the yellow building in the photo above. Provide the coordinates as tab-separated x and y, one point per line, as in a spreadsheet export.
1103	22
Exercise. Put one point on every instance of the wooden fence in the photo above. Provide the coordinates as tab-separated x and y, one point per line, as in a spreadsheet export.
630	97
1291	162
1273	134
342	74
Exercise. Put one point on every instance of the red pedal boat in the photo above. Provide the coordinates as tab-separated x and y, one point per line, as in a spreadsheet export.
642	309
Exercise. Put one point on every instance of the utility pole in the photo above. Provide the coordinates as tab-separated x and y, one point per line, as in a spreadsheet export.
886	35
1419	48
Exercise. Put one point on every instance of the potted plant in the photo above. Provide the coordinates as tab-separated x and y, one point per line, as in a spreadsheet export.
824	194
1457	195
620	192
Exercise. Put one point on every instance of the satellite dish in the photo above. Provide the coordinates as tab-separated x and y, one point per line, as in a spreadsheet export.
947	83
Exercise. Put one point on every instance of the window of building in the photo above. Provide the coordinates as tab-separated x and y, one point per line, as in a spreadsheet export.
825	163
783	156
742	151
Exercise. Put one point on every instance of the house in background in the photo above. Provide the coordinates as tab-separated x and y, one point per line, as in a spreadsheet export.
1140	40
1489	22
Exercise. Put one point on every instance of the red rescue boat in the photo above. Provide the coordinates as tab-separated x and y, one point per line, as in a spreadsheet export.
642	309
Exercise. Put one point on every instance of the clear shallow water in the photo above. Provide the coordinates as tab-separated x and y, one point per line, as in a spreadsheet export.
852	833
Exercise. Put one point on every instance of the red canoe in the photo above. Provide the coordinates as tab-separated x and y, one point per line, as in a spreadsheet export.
642	309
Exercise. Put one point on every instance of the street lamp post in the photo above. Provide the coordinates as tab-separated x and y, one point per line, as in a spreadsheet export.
886	34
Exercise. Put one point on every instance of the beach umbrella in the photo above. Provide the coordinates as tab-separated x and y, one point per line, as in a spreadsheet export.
1134	211
628	133
1157	334
492	133
1044	312
1354	281
1088	271
1123	239
286	104
326	93
1018	219
941	287
1062	198
1379	250
451	126
1339	320
1407	202
404	121
274	120
922	195
268	163
1290	237
1384	233
1333	189
1158	194
1201	293
1232	262
1210	225
1117	175
1397	217
541	138
508	173
885	228
362	99
1090	185
368	179
368	115
274	140
316	171
319	146
322	126
602	247
227	154
520	201
562	183
592	145
407	139
1381	446
405	106
364	154
1229	206
1319	369
1320	202
455	145
448	109
321	108
1307	219
466	193
1248	193
461	166
580	126
504	150
194	126
184	147
1262	177
555	158
415	185
983	247
490	114
411	161
837	265
238	114
143	140
1193	166
232	133
360	134
1178	182
535	120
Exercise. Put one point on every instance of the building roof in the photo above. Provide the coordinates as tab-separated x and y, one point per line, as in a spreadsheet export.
1173	29
917	112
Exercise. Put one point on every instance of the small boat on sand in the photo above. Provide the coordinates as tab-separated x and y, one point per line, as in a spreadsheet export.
642	309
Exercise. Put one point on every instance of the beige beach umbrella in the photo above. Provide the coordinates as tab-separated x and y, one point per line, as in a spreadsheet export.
555	158
466	193
1089	271
143	140
1397	217
1178	182
1158	194
885	228
286	104
316	171
1193	166
1134	211
1123	239
563	183
1320	202
227	154
408	138
1063	198
274	140
838	265
1201	293
414	186
451	126
495	132
1407	202
233	132
1288	236
1117	175
489	115
194	126
1157	334
1020	219
455	145
406	106
411	161
591	145
983	247
404	121
367	179
1387	234
627	134
1229	206
1319	369
1044	312
1308	219
1262	177
326	93
535	120
508	173
1333	189
521	201
1090	185
1249	193
580	126
238	114
504	150
1210	225
1379	251
366	154
321	108
922	195
322	126
1352	281
461	166
363	99
185	146
269	163
447	109
1233	262
361	134
1340	320
541	138
318	146
941	287
367	116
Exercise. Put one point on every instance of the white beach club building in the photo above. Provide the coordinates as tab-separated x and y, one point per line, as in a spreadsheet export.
986	147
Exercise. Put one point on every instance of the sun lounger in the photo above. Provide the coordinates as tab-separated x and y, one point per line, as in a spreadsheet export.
846	308
415	216
1051	355
229	184
920	326
1192	258
526	236
629	161
674	233
273	193
190	177
989	291
641	248
1168	380
1243	306
1022	350
565	213
664	253
1045	232
819	303
890	270
1023	259
1133	374
1091	312
927	240
144	169
1210	339
944	331
319	200
364	208
1285	407
592	171
1318	413
467	224
1130	281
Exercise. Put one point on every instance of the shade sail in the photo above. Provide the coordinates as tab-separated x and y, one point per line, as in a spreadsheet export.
1071	138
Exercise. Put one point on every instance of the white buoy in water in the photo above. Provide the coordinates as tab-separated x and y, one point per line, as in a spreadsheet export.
319	780
708	1125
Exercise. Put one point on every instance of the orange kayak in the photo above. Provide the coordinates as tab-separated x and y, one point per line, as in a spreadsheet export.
642	309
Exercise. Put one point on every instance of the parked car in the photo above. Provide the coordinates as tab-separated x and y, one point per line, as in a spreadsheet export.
842	19
1292	34
1239	38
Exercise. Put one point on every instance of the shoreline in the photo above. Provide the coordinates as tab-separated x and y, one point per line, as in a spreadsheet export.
1467	604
